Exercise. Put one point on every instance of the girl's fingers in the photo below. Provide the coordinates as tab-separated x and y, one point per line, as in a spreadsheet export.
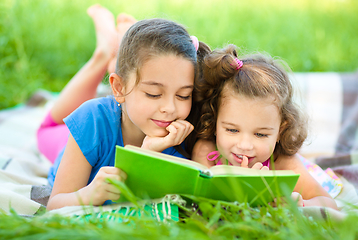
101	189
110	188
265	168
257	166
109	170
112	172
113	196
245	162
298	198
122	175
184	129
187	127
113	177
172	129
179	130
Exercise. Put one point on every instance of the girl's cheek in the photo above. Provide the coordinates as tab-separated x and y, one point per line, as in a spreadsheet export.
185	110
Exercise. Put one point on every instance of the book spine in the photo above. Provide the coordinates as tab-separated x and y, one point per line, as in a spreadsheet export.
202	185
206	174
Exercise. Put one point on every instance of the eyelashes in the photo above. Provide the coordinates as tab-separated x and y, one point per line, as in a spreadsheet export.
152	95
259	135
156	96
231	130
184	97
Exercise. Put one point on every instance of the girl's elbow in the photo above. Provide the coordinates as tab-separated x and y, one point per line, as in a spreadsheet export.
321	201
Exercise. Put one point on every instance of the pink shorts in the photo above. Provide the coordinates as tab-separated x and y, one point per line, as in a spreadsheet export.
51	138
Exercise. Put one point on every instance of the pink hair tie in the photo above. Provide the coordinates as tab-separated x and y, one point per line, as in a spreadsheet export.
213	156
195	42
238	64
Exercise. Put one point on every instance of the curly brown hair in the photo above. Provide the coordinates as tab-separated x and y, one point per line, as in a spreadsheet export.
261	76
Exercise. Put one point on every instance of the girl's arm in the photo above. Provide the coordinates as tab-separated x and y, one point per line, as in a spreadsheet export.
312	192
70	186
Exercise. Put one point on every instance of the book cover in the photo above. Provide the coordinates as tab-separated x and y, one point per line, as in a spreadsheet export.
153	175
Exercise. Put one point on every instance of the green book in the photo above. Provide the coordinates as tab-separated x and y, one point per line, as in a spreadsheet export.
153	175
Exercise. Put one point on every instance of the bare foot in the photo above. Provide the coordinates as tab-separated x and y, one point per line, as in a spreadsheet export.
124	21
106	34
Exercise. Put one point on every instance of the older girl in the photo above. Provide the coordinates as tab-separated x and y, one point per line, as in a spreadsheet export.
152	96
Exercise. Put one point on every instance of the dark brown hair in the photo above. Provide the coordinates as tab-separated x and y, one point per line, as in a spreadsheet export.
151	38
261	76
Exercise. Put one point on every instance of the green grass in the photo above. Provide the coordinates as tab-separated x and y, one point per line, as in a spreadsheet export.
43	43
208	219
218	220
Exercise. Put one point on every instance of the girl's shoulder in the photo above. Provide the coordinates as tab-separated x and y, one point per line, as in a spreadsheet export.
201	150
289	163
98	108
96	128
102	103
98	117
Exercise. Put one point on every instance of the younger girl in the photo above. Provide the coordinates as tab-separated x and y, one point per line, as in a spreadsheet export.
248	115
152	87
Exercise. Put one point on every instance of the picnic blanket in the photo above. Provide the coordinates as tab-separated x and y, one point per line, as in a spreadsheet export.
330	100
23	171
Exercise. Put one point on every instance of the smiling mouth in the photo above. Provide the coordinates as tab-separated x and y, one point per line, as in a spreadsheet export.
238	157
162	124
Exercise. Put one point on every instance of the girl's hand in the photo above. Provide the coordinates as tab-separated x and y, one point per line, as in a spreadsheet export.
295	196
258	165
178	131
298	198
100	190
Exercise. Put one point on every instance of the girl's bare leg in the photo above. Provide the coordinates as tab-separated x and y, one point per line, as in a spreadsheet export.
83	85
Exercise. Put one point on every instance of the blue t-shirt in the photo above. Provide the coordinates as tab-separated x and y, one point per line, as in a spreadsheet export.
96	127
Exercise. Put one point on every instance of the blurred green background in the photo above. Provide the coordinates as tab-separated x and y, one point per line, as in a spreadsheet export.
44	42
